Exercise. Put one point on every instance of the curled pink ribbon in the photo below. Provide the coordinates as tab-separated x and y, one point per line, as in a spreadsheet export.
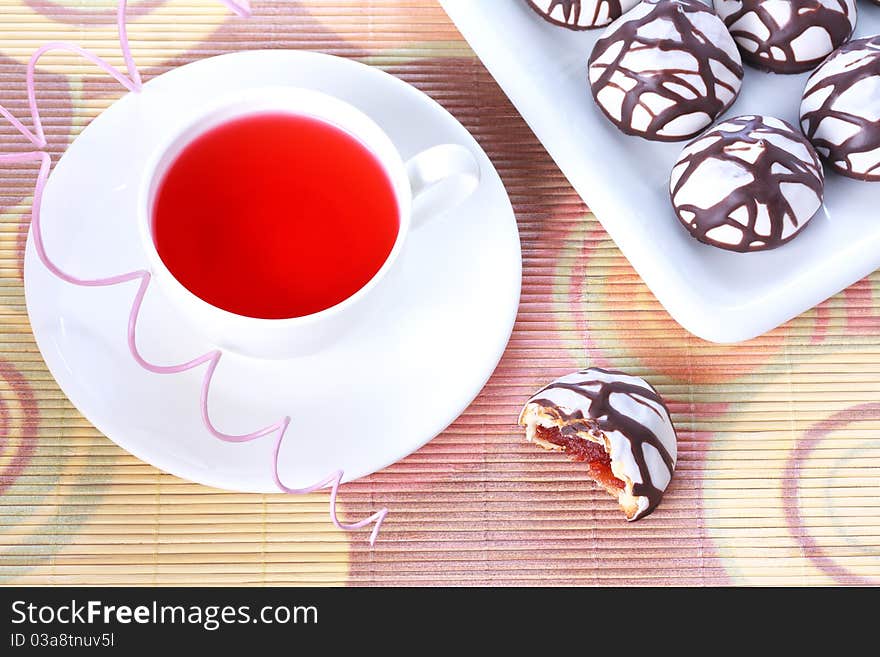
240	7
131	80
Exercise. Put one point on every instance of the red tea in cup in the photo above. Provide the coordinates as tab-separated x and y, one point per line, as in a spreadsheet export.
275	215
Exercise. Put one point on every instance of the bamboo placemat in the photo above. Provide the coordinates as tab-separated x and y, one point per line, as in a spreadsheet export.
778	479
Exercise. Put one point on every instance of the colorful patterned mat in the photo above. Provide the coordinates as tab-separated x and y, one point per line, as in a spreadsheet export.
778	479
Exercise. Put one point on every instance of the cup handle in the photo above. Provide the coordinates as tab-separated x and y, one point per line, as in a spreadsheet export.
442	178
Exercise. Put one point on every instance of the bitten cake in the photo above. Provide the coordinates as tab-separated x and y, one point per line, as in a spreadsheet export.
581	14
788	36
750	184
617	425
840	111
665	70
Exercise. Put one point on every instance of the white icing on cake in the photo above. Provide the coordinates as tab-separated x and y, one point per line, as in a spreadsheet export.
625	415
788	36
582	14
748	184
672	62
840	110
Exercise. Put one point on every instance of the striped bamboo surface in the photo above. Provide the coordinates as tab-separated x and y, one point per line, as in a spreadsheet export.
778	479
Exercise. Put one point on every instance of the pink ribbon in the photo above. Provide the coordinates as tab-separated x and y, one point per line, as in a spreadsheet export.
131	80
240	7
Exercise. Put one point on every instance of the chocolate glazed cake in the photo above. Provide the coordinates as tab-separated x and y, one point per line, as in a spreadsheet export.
788	36
617	425
665	70
581	14
749	184
840	111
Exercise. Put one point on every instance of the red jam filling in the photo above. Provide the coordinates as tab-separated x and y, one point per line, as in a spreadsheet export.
584	451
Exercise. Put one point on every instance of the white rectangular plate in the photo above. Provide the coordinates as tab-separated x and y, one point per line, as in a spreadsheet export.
717	295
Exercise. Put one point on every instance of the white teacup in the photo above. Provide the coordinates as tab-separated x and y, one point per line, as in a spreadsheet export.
449	167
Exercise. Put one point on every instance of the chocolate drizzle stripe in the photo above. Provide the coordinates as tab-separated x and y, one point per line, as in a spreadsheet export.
569	8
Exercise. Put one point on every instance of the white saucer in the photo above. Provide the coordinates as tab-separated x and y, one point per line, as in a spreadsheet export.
380	393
